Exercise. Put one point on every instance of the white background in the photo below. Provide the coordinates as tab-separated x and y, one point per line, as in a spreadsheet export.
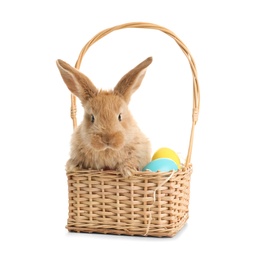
223	38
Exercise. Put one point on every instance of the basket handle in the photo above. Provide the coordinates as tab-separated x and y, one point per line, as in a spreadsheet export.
196	92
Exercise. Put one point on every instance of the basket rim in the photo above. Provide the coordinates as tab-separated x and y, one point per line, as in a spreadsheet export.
145	174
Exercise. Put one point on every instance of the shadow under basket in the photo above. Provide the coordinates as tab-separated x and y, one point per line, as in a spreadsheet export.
147	204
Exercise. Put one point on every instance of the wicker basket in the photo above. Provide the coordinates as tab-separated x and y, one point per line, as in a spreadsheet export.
148	204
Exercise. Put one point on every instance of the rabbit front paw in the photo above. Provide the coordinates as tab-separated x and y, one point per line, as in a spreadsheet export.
72	167
127	171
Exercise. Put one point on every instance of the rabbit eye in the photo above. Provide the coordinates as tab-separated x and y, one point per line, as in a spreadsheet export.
92	118
120	117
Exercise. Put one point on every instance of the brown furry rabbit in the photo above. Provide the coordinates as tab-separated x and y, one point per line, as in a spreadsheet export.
108	137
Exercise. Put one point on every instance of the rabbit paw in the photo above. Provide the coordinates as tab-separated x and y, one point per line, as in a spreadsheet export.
127	171
71	167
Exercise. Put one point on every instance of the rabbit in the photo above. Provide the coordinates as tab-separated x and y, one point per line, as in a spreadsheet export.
108	137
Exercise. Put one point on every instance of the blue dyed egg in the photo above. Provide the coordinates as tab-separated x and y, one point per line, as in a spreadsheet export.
161	164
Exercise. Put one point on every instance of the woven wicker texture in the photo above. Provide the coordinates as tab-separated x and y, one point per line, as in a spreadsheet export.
148	204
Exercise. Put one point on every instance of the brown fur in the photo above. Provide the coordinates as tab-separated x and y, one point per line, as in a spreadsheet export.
108	142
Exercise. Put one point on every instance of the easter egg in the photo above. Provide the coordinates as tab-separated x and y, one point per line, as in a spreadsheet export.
161	164
165	152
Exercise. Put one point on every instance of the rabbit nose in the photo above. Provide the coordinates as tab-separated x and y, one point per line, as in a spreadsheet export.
106	139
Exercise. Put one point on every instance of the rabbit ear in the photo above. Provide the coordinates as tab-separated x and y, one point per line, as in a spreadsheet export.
131	81
79	84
